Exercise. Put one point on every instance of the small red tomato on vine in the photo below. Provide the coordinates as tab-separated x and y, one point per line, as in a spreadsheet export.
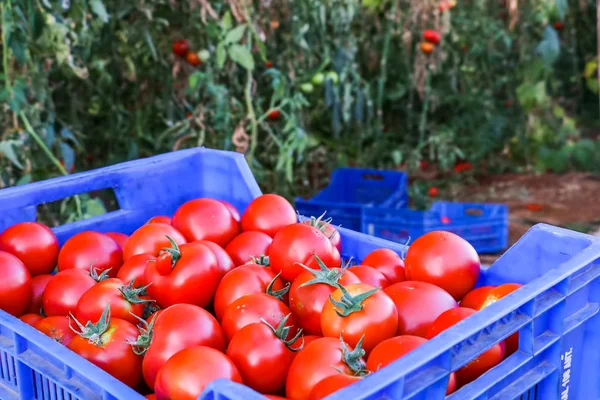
433	191
181	48
432	36
193	59
427	47
444	6
269	64
559	26
274	115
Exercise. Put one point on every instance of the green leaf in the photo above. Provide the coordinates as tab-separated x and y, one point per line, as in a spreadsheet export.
150	42
242	56
94	207
590	68
99	9
7	148
235	35
592	85
226	22
549	47
561	7
221	55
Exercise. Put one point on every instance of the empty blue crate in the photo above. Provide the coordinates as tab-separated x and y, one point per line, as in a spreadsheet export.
485	226
353	189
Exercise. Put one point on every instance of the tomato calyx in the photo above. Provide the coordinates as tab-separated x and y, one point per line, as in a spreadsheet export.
144	339
326	275
132	294
322	223
261	260
150	309
98	277
282	331
278	294
93	332
168	258
354	359
349	304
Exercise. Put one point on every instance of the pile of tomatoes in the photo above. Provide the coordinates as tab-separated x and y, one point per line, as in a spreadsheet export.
259	298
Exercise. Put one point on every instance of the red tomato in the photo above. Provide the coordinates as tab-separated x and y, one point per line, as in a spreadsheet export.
188	274
370	276
193	59
225	262
91	248
150	396
391	350
264	368
433	191
475	298
269	214
268	64
185	375
388	263
181	48
432	36
418	305
249	308
318	360
151	239
106	346
311	290
274	115
304	341
15	287
58	328
247	245
206	219
120	238
297	244
328	230
38	285
361	313
246	279
161	219
31	319
332	384
559	26
133	269
479	365
64	291
32	243
445	260
234	211
179	327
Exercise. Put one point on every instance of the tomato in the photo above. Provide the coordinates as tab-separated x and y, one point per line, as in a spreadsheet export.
445	260
150	396
151	239
273	397
32	243
318	360
328	230
332	384
263	354
559	26
427	48
120	238
179	327
185	375
133	269
87	248
307	87
274	115
391	350
269	214
181	48
268	64
188	274
433	191
370	276
249	308
475	298
225	262
64	290
304	341
38	285
105	345
388	263
161	219
204	55
361	313
234	211
246	279
444	6
333	76
318	79
432	36
15	287
31	319
193	59
247	245
479	365
206	219
58	328
296	244
418	305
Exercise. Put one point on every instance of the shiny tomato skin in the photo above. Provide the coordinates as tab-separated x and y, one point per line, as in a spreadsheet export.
134	268
34	244
269	214
115	355
120	238
274	397
388	262
15	286
328	230
206	219
418	305
225	262
444	259
234	211
64	290
370	276
376	321
151	239
38	285
247	245
87	248
307	302
176	328
161	219
181	48
57	328
185	375
391	350
332	384
31	319
476	297
150	396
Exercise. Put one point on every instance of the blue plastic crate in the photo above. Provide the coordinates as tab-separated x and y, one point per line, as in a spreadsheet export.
351	190
485	226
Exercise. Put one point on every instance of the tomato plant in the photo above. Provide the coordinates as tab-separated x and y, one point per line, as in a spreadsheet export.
58	328
134	268
269	214
38	285
191	220
181	48
91	248
15	290
32	243
151	239
64	290
388	263
370	276
248	244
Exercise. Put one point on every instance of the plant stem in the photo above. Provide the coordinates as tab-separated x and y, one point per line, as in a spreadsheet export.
250	108
5	48
423	121
383	76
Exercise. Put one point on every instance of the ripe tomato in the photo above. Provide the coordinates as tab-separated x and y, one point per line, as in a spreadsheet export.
269	214
38	285
181	48
370	276
15	287
58	328
362	313
263	354
188	274
325	226
445	260
321	358
179	327
87	248
432	36
185	375
249	308
206	219
433	191
479	365
304	341
106	346
150	396
246	279
418	305
274	115
225	262
193	59
475	298
268	64
311	290
31	319
234	211
559	26
247	245
32	243
120	238
161	219
332	384
391	350
427	48
297	244
134	268
388	263
274	397
64	290
151	239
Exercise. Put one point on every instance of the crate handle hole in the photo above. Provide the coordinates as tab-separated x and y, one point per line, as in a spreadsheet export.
475	212
373	177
